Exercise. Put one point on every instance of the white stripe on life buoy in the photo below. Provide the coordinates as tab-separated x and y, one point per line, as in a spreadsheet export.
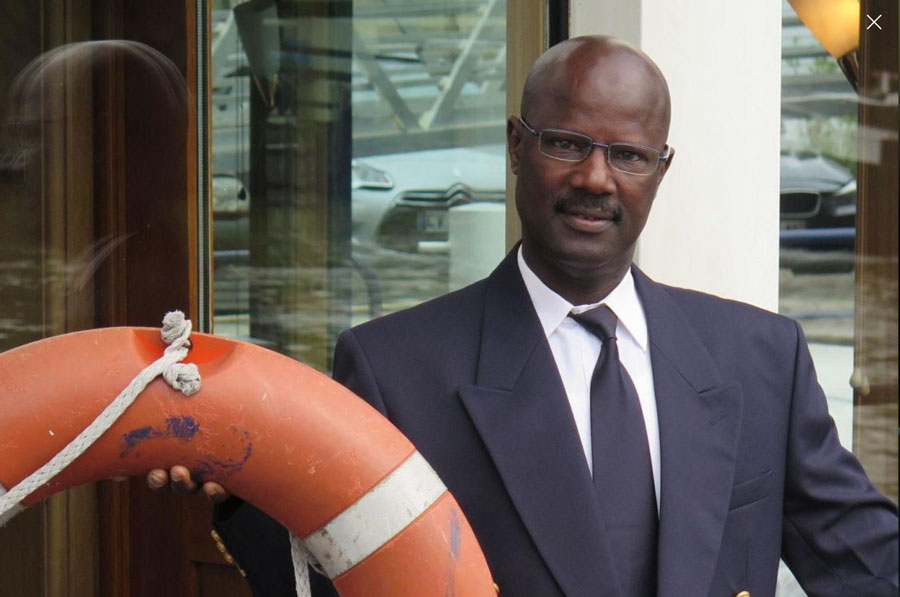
377	517
5	516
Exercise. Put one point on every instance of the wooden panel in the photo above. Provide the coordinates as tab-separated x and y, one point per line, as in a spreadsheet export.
22	539
875	379
106	235
109	167
57	104
22	555
158	207
71	568
220	580
525	41
113	541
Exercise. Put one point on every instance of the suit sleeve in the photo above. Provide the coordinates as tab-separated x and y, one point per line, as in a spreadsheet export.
353	371
261	547
839	534
257	542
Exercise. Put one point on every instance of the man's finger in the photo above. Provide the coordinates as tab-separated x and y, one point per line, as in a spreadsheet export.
215	492
181	480
157	478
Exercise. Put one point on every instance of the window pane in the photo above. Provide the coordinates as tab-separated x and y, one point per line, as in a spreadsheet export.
818	209
96	145
358	161
839	235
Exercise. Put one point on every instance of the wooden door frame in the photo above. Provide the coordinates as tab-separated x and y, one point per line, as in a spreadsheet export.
876	347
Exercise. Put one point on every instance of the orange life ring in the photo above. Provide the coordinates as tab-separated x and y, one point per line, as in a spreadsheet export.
274	431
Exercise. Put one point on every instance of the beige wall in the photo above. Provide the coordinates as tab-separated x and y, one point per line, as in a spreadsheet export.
715	223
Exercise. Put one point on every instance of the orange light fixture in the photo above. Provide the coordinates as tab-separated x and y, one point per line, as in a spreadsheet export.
835	23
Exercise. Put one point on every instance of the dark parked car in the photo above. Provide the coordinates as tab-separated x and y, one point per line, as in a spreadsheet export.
818	203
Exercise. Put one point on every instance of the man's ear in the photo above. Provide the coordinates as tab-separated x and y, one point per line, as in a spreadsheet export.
665	166
513	142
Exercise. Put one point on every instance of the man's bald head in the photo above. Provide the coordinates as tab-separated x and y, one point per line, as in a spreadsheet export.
575	62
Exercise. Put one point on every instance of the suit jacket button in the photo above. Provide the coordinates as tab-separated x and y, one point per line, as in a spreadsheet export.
742	594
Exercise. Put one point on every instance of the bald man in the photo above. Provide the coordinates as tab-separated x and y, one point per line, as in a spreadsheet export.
712	456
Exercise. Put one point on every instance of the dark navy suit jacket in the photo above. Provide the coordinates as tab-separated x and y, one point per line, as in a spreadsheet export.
751	466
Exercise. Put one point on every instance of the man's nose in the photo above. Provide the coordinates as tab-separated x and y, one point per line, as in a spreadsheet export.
594	173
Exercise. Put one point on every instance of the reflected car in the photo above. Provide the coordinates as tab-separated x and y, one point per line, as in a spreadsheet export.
818	203
401	202
400	211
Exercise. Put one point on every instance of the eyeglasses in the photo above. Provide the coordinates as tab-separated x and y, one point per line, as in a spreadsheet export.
570	146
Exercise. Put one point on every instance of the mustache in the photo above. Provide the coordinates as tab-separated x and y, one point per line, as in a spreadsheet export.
580	200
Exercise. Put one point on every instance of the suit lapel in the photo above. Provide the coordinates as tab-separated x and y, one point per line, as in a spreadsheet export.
519	407
699	427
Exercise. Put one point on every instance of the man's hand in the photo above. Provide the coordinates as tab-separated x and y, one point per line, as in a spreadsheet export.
179	478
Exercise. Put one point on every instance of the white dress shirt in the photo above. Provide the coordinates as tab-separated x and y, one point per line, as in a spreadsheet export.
576	350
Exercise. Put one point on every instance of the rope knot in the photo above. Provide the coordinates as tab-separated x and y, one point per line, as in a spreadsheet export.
175	332
184	377
175	328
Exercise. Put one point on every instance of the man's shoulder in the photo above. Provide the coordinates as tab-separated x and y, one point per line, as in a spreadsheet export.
716	315
692	299
454	311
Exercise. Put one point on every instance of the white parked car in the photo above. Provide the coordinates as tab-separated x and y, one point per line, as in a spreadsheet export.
401	201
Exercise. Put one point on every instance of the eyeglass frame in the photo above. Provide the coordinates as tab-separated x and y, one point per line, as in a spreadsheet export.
537	133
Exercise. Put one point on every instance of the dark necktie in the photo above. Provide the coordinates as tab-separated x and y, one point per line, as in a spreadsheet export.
623	475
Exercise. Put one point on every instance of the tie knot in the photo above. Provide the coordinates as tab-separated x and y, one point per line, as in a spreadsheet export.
600	321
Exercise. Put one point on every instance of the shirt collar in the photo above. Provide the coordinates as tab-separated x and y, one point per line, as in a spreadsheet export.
552	309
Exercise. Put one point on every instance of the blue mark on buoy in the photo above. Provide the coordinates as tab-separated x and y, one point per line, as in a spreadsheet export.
136	436
228	465
182	427
454	535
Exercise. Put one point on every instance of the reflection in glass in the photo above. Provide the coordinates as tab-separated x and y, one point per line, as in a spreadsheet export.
359	168
818	209
839	236
95	121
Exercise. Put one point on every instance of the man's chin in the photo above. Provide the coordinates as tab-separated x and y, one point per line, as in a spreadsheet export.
593	260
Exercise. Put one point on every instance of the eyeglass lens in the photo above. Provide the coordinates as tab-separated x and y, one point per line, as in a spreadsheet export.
573	147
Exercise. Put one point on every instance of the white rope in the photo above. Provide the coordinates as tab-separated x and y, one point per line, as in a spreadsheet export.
184	377
12	512
302	559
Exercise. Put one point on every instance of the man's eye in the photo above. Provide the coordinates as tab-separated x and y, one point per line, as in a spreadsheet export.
565	144
628	155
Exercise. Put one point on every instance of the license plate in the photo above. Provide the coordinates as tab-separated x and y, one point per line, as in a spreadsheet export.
793	224
432	221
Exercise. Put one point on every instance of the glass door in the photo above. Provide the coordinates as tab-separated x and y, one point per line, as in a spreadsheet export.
358	162
839	233
98	135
